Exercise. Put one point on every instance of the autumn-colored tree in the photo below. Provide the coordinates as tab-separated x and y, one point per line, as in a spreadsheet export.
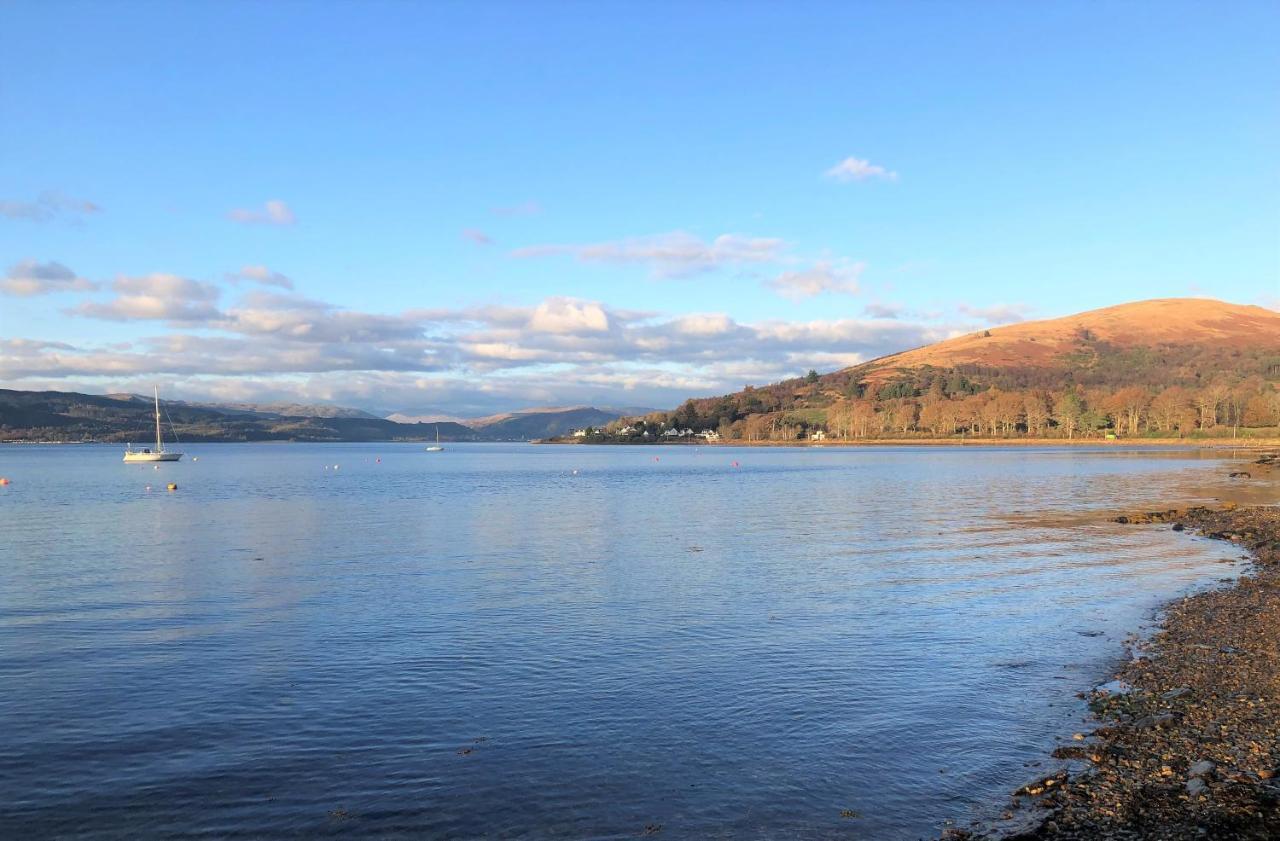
1208	400
931	411
1127	407
1168	407
1035	408
1008	411
862	417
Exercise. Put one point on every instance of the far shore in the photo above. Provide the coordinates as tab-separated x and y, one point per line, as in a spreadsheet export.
1185	443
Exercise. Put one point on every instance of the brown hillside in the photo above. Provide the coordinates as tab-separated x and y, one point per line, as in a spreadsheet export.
1041	344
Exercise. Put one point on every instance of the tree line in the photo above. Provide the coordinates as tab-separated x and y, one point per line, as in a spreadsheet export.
943	403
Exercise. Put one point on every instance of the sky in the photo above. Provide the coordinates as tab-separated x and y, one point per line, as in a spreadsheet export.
454	209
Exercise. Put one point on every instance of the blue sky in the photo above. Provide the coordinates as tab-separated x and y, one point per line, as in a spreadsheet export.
470	207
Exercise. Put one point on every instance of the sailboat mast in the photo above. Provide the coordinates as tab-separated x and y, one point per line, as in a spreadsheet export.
159	445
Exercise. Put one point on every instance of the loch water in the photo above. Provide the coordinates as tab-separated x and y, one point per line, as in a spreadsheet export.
516	641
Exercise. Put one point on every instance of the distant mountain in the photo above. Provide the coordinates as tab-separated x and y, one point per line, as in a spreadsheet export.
528	424
70	416
290	410
1173	366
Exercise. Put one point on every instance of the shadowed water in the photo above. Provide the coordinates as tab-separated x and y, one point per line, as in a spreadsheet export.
484	643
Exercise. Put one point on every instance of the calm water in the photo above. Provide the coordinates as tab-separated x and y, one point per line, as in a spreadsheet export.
484	643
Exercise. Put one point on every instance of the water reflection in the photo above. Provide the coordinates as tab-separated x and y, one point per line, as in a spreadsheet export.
486	643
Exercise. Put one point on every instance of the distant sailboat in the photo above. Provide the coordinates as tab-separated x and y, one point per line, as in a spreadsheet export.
436	448
159	453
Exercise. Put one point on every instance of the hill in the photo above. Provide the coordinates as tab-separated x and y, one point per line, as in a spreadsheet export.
71	416
1212	333
531	424
1179	366
528	424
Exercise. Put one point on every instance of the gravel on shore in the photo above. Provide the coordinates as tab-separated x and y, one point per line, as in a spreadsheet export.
1187	744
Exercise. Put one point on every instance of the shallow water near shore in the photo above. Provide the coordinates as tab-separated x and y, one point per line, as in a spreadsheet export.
563	642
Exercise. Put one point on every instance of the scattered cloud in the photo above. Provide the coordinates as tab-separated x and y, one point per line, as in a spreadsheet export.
875	310
477	236
260	275
996	314
155	297
567	316
273	212
257	339
49	206
859	169
675	254
528	208
28	278
823	277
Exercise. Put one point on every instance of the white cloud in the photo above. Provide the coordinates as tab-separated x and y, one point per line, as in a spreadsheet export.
266	343
823	277
565	315
675	254
47	207
859	169
273	212
155	297
261	275
28	278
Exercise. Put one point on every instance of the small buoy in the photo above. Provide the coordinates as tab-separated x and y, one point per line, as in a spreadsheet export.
575	473
655	458
155	467
735	464
379	461
195	458
173	486
3	481
335	467
148	488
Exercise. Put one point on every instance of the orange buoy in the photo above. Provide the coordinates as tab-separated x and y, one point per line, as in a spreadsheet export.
173	486
735	464
3	481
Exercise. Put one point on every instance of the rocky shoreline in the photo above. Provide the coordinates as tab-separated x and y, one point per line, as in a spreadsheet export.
1187	738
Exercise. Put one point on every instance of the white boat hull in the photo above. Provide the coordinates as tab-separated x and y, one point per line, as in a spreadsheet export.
139	457
434	449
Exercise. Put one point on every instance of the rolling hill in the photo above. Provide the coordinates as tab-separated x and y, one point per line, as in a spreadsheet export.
71	416
1176	366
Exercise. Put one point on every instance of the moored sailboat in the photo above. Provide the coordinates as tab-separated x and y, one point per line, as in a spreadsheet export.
436	448
159	453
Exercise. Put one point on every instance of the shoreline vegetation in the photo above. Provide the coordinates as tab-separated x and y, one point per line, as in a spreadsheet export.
1186	738
1242	443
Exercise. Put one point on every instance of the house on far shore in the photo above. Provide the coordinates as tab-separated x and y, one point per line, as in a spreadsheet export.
710	434
819	435
580	433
